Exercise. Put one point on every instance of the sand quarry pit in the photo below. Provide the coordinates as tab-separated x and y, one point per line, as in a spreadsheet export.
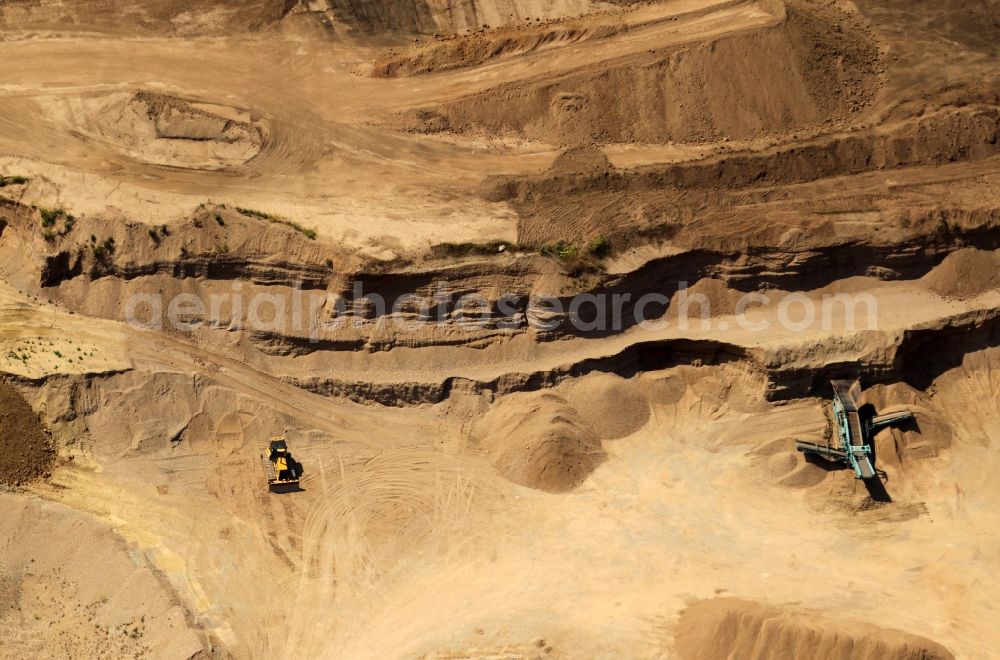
541	295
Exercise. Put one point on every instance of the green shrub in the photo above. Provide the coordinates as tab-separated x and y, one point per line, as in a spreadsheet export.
253	213
50	216
466	249
104	250
575	260
260	215
560	249
12	180
600	247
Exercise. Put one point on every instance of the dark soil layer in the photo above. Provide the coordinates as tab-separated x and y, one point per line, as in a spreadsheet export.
26	451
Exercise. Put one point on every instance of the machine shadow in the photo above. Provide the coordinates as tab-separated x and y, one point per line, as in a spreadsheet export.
876	485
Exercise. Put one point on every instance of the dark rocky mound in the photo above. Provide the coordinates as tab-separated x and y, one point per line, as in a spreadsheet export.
26	451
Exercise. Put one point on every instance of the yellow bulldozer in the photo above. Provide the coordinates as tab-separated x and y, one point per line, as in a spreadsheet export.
283	471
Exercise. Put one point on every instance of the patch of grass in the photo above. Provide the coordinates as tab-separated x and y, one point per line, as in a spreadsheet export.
562	250
576	260
600	247
154	235
260	215
455	250
253	213
50	216
12	181
942	227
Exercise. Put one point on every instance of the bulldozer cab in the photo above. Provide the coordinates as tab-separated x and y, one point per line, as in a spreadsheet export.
283	471
278	448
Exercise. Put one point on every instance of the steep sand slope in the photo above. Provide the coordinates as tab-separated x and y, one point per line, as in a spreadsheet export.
779	74
446	16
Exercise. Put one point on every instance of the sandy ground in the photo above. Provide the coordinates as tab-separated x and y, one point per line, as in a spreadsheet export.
478	490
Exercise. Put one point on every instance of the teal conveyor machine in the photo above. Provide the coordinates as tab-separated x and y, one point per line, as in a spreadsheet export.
854	440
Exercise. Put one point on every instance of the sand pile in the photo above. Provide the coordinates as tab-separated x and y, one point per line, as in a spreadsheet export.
965	274
724	628
540	441
901	446
581	160
26	452
706	298
609	405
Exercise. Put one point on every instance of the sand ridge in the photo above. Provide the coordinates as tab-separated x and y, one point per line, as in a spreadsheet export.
727	626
